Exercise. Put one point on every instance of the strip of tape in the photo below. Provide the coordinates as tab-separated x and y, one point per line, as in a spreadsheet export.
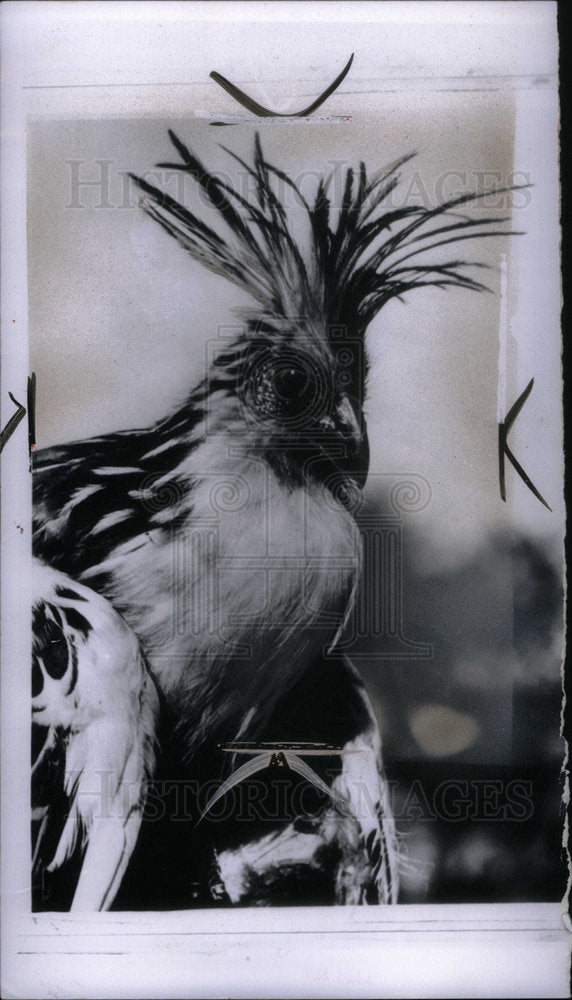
218	119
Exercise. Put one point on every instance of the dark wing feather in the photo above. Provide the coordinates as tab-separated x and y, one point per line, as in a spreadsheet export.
90	496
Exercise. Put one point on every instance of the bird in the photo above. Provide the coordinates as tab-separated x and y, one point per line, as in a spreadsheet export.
225	535
95	712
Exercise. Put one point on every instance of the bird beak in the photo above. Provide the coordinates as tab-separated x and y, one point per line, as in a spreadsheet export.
350	426
345	441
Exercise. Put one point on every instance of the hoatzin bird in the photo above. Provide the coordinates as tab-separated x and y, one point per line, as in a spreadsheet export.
224	537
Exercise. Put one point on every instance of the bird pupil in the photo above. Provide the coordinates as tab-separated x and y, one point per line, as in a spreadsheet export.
284	386
291	383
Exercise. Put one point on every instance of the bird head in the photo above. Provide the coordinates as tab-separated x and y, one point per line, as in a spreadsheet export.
296	396
294	379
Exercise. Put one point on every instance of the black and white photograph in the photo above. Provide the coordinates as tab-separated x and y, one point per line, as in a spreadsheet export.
283	513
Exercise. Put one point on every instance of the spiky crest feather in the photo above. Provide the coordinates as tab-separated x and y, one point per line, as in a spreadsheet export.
348	275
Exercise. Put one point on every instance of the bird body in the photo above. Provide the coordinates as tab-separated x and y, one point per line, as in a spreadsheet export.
225	535
232	548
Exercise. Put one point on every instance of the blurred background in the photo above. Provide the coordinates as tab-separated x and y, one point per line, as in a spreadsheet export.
471	731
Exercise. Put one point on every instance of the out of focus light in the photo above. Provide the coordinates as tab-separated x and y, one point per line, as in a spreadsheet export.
441	731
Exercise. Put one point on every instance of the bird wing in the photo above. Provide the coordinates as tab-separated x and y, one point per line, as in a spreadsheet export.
91	496
83	502
94	712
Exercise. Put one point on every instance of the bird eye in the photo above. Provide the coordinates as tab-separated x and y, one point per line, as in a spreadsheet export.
292	384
